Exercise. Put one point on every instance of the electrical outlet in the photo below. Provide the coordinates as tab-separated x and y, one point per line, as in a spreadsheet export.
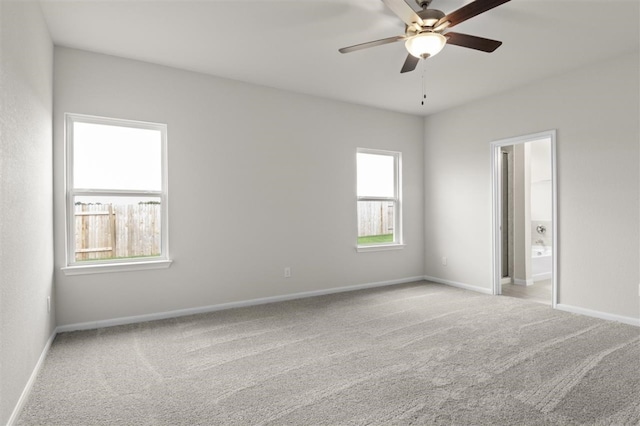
287	272
49	304
444	260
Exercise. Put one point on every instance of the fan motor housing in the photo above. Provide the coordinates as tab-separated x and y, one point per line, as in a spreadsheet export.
430	16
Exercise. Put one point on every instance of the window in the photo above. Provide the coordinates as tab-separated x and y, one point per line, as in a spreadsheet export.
379	200
116	182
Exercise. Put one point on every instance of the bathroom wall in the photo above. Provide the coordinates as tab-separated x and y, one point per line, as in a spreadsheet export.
541	193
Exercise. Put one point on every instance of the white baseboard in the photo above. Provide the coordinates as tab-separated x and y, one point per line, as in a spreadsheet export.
523	282
459	285
543	276
240	304
27	388
506	280
598	314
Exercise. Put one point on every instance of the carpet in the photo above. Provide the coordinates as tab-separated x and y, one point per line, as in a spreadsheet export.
417	353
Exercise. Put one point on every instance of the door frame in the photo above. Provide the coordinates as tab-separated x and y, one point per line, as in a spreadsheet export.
496	193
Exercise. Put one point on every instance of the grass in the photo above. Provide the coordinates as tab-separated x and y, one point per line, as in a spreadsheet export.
375	239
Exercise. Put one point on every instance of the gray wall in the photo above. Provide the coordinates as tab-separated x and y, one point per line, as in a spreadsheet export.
259	179
595	110
26	224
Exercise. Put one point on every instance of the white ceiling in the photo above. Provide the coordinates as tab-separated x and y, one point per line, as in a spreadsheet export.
293	44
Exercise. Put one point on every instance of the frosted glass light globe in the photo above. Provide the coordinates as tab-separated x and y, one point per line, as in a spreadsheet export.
425	44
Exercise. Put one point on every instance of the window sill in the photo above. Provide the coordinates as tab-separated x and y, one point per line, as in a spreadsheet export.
116	267
385	247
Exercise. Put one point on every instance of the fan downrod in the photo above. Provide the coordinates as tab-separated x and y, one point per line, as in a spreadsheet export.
423	3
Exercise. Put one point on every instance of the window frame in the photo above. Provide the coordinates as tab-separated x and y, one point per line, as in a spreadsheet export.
398	239
74	267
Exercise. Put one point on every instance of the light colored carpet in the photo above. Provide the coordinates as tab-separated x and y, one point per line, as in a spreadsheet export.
410	354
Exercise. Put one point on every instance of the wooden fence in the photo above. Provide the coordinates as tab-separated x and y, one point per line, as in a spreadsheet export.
375	218
107	231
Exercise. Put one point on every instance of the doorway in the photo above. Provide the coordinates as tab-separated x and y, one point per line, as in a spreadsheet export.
523	171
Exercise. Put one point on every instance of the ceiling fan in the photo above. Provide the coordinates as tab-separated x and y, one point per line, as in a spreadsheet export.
424	30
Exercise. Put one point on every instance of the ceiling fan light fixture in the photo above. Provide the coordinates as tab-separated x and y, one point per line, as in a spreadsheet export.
425	44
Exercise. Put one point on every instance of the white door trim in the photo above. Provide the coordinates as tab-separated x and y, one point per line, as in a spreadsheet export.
497	206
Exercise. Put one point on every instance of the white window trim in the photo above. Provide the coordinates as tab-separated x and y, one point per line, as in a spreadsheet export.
112	265
381	247
398	242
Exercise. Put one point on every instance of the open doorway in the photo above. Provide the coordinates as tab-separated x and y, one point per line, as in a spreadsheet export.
524	217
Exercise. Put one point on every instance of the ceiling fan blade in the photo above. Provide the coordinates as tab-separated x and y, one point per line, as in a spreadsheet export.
371	44
410	63
404	12
472	42
469	11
